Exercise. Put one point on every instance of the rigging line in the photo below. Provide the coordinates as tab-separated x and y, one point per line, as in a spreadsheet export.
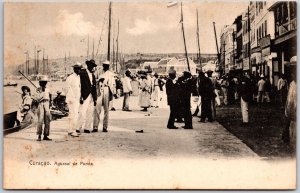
100	38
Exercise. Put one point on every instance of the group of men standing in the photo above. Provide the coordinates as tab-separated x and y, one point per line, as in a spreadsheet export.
179	91
86	95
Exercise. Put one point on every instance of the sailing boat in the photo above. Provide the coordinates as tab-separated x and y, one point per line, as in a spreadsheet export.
8	81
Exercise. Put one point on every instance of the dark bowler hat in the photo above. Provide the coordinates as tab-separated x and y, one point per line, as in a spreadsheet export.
91	63
172	71
25	88
201	73
209	72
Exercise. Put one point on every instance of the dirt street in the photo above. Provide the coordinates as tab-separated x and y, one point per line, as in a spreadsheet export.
157	158
156	141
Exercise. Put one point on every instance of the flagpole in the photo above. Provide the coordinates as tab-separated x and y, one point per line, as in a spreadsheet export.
186	55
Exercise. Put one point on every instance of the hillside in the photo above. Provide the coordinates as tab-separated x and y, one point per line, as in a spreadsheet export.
62	65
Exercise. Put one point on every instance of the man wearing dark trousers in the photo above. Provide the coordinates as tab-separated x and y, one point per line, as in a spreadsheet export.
172	97
206	91
186	84
88	96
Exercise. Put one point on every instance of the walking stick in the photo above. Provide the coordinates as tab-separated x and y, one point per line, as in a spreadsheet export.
27	79
18	92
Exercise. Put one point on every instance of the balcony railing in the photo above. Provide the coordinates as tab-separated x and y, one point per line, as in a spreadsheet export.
286	27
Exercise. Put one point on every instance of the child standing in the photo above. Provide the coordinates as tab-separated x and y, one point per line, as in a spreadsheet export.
43	110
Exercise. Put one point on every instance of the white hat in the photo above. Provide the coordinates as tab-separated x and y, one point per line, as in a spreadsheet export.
44	78
106	62
77	65
262	76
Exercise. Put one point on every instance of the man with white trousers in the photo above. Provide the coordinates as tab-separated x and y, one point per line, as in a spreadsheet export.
106	90
127	90
88	96
246	95
73	99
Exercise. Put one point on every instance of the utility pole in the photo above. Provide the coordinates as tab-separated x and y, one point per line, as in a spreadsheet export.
249	36
182	27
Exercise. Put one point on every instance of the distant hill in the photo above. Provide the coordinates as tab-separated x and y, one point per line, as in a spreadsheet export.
62	65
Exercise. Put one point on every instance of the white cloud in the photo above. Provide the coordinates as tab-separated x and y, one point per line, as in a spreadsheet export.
142	27
74	24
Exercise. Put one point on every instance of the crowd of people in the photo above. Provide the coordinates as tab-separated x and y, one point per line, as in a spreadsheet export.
87	91
90	89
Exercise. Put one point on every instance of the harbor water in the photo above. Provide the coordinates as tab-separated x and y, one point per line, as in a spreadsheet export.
12	94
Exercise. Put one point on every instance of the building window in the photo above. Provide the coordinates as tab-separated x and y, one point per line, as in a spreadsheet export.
293	9
284	13
266	28
278	13
260	29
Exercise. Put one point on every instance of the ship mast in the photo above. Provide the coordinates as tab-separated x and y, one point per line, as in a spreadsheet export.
182	27
198	41
117	57
109	28
219	56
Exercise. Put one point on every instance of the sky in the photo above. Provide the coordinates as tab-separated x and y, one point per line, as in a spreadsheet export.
145	27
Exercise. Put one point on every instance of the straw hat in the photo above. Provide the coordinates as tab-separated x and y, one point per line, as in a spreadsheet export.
44	78
25	88
77	65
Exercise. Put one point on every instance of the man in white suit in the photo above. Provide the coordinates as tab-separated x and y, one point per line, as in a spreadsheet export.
127	90
106	90
73	98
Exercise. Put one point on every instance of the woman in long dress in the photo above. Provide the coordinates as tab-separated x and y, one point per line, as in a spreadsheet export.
135	86
145	87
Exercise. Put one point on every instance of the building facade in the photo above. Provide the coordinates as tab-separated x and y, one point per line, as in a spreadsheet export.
285	36
228	47
238	35
264	40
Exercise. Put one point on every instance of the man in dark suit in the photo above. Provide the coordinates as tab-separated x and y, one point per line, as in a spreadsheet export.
172	97
186	87
206	91
88	97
